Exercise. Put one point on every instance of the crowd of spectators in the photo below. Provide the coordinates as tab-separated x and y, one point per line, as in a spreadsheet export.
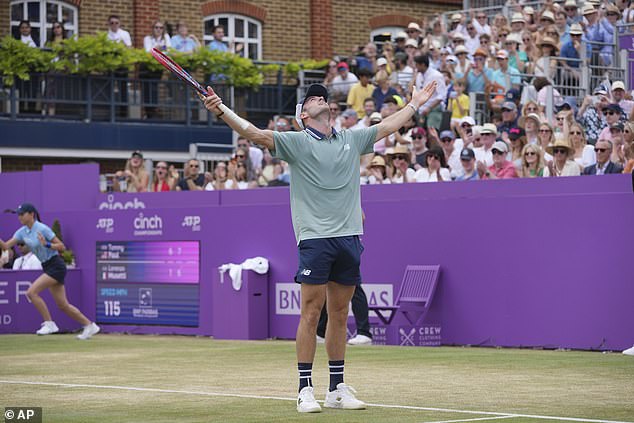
508	59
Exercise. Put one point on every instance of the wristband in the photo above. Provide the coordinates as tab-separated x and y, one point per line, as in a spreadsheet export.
48	245
233	118
412	106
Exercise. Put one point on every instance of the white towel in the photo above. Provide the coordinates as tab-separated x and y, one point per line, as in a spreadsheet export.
257	264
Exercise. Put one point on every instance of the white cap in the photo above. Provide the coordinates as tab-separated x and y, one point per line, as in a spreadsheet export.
413	25
500	146
467	119
618	85
518	17
381	61
401	34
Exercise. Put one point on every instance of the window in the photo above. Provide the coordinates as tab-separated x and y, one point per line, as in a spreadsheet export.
239	31
41	14
385	33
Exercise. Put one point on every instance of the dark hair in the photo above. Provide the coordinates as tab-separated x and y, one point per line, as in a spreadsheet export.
216	27
438	151
61	24
540	82
114	16
370	99
364	72
24	21
422	59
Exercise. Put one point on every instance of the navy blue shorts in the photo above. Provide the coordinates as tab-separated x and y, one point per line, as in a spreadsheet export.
330	259
55	268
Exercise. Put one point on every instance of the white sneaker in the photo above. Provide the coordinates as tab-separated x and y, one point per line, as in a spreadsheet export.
306	401
629	351
89	330
360	340
343	397
320	340
48	328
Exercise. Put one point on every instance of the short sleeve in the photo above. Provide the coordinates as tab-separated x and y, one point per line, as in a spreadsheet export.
47	233
288	145
19	234
367	137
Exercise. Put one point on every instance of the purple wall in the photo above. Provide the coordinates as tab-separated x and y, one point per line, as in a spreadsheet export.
523	262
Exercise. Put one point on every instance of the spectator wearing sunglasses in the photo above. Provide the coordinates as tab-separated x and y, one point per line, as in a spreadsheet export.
467	161
401	158
572	12
480	22
436	169
619	96
451	153
590	114
27	260
613	114
563	163
501	167
192	179
532	162
377	172
584	154
419	146
604	165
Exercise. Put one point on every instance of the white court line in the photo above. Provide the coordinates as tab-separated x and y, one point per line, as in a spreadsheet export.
475	420
222	394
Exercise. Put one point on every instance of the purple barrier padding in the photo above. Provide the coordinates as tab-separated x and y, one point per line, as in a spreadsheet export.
154	200
523	263
18	315
69	187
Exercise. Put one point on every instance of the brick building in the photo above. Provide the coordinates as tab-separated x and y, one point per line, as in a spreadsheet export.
276	30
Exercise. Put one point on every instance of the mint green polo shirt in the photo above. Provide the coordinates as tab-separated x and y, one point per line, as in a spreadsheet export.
325	180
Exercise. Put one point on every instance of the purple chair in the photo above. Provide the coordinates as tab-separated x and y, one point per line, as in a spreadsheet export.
415	296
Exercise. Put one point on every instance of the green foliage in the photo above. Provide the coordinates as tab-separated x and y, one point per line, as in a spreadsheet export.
68	256
96	54
17	60
57	229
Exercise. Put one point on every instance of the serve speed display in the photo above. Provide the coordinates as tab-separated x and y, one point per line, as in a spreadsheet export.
148	282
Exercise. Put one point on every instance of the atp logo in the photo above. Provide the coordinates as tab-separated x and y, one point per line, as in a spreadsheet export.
106	223
306	272
192	222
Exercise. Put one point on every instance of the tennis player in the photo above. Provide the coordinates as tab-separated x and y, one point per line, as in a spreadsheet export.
326	214
46	246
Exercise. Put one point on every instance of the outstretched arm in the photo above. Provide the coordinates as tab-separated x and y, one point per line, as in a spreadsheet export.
213	103
400	118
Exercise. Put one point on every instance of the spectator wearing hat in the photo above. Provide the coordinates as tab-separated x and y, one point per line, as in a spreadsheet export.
376	172
400	157
506	76
618	143
533	163
451	152
562	163
350	119
343	82
488	135
360	91
518	23
530	123
613	114
517	137
467	161
584	154
419	146
382	90
509	117
546	66
462	65
501	167
595	35
414	32
477	76
612	16
618	96
591	116
436	169
604	165
465	131
572	50
432	109
517	57
399	42
572	12
134	178
411	49
547	18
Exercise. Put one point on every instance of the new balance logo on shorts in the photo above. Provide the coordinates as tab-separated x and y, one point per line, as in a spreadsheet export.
306	272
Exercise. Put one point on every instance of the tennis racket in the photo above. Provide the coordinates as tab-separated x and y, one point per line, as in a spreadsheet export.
177	70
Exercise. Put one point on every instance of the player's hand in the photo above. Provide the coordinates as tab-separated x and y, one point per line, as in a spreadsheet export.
212	101
421	97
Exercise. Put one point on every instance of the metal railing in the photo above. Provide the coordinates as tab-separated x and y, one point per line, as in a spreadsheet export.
118	98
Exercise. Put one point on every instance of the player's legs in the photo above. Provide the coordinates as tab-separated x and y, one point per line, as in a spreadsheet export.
313	297
43	282
339	297
59	295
